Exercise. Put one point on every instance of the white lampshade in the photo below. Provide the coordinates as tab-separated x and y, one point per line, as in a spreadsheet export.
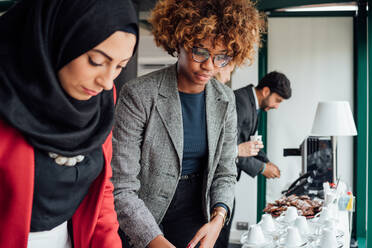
333	118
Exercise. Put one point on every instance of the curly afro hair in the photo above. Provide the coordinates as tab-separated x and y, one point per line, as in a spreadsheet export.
185	23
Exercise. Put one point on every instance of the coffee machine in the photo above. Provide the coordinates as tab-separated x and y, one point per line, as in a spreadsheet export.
317	161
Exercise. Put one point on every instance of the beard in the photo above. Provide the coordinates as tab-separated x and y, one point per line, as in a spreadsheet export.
265	103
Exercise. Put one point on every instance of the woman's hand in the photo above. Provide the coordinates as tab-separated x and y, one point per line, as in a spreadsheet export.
160	242
249	148
208	233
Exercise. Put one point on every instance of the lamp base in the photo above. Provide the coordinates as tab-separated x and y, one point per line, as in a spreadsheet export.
334	159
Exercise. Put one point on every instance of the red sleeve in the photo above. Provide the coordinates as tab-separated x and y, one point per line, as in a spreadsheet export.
106	230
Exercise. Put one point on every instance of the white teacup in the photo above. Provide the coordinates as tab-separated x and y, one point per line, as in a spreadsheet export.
329	198
328	239
293	238
326	187
302	225
267	223
255	235
256	138
291	214
329	224
325	215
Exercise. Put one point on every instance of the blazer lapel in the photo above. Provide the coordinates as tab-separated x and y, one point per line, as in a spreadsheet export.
216	107
169	109
254	110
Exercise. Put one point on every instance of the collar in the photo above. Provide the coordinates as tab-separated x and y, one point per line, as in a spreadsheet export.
255	98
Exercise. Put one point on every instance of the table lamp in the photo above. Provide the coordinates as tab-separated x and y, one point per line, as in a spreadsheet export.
334	118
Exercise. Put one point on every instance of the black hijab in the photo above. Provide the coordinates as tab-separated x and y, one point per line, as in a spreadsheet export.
38	38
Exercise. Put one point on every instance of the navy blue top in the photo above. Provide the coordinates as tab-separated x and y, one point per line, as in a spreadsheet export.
195	144
59	190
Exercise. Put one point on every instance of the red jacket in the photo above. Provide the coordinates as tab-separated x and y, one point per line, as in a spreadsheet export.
94	222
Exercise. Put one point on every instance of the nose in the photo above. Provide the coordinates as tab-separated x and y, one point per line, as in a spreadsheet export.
106	79
208	65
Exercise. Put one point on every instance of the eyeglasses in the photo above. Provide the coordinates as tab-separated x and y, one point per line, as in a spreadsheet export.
201	55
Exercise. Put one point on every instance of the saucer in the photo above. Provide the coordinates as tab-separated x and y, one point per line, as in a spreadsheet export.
282	220
265	244
338	246
243	241
304	244
296	246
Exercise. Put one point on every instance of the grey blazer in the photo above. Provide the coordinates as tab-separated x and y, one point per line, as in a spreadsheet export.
148	147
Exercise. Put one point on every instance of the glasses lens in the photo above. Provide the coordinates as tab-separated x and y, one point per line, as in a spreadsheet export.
200	54
221	60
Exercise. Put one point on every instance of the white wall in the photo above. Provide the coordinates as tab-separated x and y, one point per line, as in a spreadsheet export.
151	57
246	189
317	56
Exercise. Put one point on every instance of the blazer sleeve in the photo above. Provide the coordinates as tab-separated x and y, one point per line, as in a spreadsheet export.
135	219
252	165
224	179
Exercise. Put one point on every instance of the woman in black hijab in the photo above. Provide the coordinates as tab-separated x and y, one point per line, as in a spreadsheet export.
58	60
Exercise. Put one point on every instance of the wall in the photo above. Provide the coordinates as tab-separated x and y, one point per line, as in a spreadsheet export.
317	56
151	57
246	189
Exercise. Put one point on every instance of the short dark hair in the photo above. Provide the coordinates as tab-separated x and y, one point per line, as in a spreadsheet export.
278	83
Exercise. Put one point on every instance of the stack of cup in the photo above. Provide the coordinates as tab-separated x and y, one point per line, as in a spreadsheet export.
302	226
290	215
293	238
267	224
328	239
330	224
325	215
254	237
329	198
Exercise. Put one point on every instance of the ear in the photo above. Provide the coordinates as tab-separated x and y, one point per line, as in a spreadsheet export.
265	91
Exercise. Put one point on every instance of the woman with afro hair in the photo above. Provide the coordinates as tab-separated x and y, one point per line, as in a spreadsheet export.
174	140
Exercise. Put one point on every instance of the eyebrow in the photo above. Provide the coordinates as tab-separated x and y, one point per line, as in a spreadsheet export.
221	51
107	56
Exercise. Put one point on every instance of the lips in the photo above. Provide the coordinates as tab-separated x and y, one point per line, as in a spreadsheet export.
90	92
203	77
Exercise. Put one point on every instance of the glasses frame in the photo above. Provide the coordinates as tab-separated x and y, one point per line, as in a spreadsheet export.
193	52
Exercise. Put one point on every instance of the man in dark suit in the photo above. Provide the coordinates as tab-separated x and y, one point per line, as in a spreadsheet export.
271	90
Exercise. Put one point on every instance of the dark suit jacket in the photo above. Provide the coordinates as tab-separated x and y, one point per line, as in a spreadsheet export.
247	126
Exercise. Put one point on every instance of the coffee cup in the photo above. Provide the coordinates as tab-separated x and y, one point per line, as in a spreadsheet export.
328	238
330	224
290	214
302	225
267	223
255	235
325	215
293	238
329	198
256	138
